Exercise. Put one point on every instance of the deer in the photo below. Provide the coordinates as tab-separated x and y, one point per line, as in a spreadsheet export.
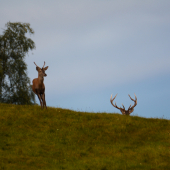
123	111
38	86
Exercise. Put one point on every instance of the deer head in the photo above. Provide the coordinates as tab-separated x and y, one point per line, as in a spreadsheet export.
41	71
38	86
123	111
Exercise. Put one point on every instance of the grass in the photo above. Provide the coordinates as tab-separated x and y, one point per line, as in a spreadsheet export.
32	138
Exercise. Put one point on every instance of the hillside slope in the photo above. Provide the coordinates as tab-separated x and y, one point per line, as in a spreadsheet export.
32	138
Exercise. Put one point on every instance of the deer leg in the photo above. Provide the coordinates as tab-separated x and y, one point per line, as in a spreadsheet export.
39	97
42	99
44	102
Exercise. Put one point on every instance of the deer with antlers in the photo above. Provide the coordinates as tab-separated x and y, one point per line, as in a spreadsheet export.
38	86
123	111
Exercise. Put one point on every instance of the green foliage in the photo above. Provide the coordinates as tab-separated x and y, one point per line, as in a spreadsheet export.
14	82
33	138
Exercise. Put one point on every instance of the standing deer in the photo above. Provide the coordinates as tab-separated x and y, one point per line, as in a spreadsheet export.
123	111
38	86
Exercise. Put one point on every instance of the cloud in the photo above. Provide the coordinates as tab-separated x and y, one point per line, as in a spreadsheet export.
94	44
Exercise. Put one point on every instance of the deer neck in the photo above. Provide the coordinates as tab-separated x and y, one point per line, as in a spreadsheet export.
40	79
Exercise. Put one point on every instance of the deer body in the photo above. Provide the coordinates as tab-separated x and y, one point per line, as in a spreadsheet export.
38	86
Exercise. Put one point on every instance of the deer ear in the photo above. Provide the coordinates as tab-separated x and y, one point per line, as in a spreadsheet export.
46	68
37	68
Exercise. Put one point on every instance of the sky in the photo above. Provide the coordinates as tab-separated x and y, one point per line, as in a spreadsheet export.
95	48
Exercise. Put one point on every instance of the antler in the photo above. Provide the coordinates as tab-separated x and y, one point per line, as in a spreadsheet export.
44	64
35	64
123	111
135	100
38	66
111	101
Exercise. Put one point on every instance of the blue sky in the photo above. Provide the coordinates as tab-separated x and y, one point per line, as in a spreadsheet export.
95	48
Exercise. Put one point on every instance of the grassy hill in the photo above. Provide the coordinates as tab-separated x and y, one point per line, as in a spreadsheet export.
32	139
